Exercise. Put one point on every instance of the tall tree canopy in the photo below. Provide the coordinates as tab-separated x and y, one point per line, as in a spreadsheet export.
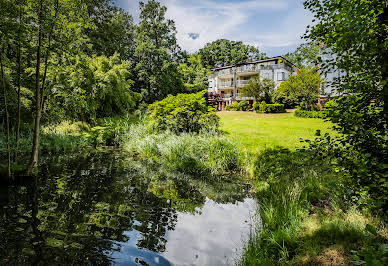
195	75
223	52
156	52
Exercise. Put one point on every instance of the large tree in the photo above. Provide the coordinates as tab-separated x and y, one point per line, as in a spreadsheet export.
224	52
260	89
302	89
156	52
355	32
113	31
195	75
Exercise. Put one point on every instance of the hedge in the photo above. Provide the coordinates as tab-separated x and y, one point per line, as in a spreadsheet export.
310	114
263	107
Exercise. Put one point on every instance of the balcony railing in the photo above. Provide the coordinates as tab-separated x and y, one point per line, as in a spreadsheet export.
226	84
240	97
224	72
242	82
245	69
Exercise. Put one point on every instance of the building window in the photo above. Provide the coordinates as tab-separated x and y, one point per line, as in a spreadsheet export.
280	76
266	75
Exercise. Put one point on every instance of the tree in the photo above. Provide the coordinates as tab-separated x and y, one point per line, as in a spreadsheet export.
195	75
156	50
58	25
356	33
302	89
88	88
260	89
113	31
305	55
223	52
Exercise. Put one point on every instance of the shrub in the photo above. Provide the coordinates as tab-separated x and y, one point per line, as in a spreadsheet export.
275	108
310	114
263	107
233	107
243	105
183	113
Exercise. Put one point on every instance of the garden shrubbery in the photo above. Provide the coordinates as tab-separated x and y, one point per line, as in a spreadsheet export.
238	106
263	107
310	114
183	113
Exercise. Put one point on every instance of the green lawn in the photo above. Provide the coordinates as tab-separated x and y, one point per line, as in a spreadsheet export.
259	131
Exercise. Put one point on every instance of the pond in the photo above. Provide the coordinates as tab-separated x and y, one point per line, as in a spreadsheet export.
101	208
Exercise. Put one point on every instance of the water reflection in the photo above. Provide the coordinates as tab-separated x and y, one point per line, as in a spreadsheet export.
101	209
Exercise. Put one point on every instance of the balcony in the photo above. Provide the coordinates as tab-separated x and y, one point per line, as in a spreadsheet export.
240	97
242	83
226	85
225	72
247	69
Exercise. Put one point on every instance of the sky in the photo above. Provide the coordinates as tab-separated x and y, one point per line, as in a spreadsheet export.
274	26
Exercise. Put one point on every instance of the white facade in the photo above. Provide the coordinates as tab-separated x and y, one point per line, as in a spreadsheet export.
226	81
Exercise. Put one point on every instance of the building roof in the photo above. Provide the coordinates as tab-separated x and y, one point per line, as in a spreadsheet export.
255	62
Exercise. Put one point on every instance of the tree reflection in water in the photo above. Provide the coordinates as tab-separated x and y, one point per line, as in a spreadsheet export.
81	207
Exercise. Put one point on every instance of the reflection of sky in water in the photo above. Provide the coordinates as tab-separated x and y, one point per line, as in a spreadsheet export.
210	238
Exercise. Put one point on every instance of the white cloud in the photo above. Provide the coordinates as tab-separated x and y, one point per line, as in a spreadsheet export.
212	20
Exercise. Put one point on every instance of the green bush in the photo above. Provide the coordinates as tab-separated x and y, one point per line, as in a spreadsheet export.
275	108
263	107
310	114
233	107
243	105
183	113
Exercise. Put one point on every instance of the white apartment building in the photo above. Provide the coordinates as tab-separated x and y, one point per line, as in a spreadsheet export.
225	82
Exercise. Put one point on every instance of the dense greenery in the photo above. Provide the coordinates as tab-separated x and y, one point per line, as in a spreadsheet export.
238	106
310	114
302	89
183	113
223	52
260	89
357	37
304	216
263	107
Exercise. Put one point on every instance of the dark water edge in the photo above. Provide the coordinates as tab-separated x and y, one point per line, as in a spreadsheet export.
101	208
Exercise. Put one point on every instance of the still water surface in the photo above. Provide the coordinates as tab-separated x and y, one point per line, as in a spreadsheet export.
102	209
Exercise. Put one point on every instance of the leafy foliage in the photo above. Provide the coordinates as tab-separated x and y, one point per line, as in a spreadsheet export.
156	48
357	37
305	55
183	113
310	114
260	89
195	75
263	107
223	52
91	88
302	89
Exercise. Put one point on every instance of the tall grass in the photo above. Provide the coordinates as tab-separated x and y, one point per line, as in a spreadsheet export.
195	154
304	220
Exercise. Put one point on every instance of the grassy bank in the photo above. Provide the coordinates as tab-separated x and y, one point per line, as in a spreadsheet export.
307	218
256	132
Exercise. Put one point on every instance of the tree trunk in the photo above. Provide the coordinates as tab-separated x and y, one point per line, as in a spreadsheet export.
18	85
6	115
38	110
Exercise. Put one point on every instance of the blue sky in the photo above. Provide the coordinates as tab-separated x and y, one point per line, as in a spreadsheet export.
275	26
